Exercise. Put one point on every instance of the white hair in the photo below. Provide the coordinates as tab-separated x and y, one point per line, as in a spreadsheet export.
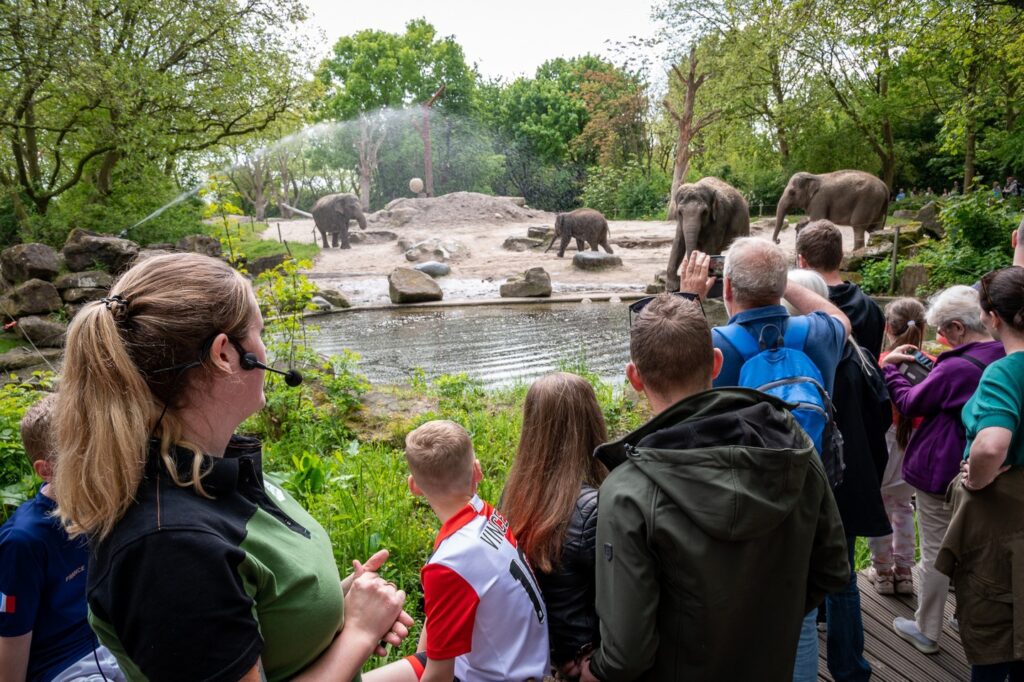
958	303
756	269
808	279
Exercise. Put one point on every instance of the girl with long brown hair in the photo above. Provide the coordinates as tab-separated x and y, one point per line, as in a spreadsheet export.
200	568
550	500
892	556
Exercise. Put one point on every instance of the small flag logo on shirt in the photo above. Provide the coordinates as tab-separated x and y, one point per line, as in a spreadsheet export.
6	603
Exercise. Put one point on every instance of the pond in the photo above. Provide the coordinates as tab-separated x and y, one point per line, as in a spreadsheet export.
496	344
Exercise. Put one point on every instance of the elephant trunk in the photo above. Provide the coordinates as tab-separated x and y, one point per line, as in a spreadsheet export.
780	217
687	234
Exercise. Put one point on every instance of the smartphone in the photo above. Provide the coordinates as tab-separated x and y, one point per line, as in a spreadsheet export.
918	370
716	268
923	360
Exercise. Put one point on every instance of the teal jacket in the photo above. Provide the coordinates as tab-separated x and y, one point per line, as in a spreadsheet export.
717	532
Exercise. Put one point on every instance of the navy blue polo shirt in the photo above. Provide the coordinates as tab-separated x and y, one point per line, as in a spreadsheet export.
824	346
42	588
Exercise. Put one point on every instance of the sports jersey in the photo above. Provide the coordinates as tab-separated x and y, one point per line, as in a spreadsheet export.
481	600
42	588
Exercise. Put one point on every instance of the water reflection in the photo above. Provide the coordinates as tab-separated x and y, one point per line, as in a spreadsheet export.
495	344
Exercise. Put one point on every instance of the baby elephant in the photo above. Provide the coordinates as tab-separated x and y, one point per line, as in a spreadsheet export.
583	225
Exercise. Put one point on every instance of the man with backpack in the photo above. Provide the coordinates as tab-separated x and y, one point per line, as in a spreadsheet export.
792	358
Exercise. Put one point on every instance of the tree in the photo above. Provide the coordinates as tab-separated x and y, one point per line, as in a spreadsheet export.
86	84
372	73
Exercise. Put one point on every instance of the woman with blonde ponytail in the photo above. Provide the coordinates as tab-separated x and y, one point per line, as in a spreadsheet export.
199	567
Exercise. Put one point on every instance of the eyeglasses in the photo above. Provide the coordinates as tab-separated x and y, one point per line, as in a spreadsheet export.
638	305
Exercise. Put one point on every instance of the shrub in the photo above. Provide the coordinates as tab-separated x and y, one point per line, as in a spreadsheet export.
17	480
978	220
626	191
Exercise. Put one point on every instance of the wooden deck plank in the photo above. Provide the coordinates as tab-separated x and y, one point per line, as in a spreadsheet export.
893	659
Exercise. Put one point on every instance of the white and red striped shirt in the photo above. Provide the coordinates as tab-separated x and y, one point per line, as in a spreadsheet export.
482	603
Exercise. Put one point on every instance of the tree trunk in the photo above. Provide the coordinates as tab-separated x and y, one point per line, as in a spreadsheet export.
428	159
686	127
970	146
104	178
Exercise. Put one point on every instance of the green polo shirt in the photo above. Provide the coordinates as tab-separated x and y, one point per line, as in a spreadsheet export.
999	401
188	587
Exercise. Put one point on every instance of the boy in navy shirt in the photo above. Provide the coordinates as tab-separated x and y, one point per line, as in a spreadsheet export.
44	634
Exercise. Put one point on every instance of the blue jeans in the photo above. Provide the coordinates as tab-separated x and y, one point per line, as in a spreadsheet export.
998	672
845	640
806	668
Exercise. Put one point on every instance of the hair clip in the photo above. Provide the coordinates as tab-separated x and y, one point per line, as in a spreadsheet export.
118	307
911	323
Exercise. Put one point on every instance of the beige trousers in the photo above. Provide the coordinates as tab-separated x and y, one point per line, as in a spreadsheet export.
933	516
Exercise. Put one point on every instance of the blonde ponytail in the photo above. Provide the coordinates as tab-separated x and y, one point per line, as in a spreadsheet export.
115	385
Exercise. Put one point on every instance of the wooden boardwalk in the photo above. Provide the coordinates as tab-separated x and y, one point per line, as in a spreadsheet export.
893	658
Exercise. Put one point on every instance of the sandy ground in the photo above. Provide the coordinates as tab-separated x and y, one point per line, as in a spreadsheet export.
361	272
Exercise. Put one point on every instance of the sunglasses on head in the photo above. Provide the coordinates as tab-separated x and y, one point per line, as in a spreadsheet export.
638	305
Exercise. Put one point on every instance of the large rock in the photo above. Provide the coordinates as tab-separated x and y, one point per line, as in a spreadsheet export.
857	257
540	232
335	298
644	242
906	213
200	243
34	297
929	219
23	262
522	244
534	283
82	295
93	279
913	276
258	266
86	250
20	358
372	237
658	285
435	249
42	331
433	268
595	260
406	285
401	215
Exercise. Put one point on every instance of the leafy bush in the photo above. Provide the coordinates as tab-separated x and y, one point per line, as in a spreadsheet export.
626	191
978	220
17	480
875	275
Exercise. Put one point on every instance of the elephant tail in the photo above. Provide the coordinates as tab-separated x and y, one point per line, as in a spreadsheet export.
553	238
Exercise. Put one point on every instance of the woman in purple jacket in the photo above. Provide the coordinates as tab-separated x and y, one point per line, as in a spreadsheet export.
933	455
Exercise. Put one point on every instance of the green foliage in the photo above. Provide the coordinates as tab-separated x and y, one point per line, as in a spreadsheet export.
876	275
627	191
978	220
17	480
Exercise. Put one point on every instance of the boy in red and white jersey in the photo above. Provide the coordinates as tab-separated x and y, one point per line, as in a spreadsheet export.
485	619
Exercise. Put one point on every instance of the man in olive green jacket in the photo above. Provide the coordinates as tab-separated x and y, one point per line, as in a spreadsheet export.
717	531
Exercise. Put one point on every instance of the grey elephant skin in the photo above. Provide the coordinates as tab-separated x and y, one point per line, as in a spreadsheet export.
583	225
332	214
710	213
846	197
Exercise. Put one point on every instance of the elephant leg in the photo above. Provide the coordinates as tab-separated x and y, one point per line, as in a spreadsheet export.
323	236
605	245
580	245
334	239
561	247
858	237
344	239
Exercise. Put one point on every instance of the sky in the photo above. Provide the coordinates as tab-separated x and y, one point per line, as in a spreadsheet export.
507	39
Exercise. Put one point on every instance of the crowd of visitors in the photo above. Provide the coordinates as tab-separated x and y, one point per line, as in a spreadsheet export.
705	545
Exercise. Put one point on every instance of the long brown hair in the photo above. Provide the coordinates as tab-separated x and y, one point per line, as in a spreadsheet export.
115	385
904	321
562	424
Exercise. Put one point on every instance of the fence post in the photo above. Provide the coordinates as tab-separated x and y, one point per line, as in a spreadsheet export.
279	237
895	254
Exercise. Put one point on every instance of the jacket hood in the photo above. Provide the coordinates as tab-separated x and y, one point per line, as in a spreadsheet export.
734	460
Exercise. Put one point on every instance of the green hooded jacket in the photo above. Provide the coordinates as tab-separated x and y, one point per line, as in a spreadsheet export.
717	532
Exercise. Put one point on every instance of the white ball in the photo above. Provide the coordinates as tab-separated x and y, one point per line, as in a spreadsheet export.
415	185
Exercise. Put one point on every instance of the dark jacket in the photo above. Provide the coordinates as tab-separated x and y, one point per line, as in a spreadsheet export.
716	533
863	414
569	589
867	321
937	446
983	552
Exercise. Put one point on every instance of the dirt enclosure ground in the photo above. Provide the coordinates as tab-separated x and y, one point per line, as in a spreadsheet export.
474	227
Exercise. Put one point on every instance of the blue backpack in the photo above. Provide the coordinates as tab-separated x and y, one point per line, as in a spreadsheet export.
785	371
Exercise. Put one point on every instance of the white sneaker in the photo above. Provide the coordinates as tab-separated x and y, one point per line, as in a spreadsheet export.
882	580
908	630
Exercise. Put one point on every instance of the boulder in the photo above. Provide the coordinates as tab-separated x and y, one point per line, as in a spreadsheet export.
404	244
320	303
372	237
928	216
86	250
20	358
540	232
880	237
655	288
335	298
856	258
534	283
72	309
147	253
435	249
161	246
595	260
258	266
34	297
23	262
200	243
522	243
42	331
92	279
905	213
433	268
644	242
406	285
914	275
82	295
401	215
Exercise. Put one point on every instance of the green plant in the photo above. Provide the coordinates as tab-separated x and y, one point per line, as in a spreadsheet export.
629	191
17	480
876	275
978	220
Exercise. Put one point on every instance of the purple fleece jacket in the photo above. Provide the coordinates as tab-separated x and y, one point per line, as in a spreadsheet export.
937	446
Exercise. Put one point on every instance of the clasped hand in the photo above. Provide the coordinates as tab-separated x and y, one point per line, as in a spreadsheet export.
374	605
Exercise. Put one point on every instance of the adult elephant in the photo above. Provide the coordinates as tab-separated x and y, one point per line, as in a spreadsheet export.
710	213
332	214
846	197
583	225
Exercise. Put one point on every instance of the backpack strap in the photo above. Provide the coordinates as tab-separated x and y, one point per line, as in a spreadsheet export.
740	339
974	361
797	329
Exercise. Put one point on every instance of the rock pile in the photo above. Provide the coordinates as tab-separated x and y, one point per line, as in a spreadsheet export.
534	283
457	207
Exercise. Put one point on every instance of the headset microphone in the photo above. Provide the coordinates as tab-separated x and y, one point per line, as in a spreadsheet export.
249	361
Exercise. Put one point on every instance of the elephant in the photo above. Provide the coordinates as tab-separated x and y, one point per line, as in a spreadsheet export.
846	197
583	225
710	213
332	213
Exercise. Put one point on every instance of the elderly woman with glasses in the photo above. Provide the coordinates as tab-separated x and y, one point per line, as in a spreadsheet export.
933	454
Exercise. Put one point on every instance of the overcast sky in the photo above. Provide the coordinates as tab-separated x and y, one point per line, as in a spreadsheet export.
509	39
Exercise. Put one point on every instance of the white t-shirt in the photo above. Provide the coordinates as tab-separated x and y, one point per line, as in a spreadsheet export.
482	602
